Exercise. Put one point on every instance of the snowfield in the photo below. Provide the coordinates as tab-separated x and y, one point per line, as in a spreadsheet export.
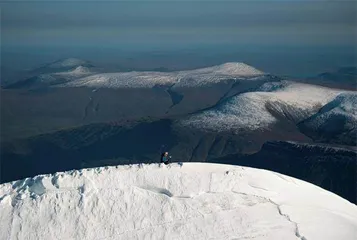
259	110
195	201
188	78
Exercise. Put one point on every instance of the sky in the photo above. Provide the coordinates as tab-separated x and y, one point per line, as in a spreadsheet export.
109	29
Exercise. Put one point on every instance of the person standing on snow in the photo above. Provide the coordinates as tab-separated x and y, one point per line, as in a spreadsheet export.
165	158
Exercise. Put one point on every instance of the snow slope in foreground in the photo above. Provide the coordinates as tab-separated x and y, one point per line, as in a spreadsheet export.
258	110
195	201
189	78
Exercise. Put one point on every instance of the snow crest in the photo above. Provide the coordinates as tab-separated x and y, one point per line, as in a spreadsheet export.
193	201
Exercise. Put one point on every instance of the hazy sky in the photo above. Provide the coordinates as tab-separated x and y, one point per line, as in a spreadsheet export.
178	22
173	25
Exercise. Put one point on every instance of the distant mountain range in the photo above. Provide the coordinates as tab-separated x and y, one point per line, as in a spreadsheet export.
344	78
74	115
78	73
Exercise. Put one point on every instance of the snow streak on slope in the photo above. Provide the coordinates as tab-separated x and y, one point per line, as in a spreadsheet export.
259	110
195	201
190	78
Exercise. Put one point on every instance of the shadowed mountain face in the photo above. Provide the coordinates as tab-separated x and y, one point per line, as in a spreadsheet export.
73	149
106	144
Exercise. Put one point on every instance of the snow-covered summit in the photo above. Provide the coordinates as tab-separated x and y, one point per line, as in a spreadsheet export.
258	110
195	201
187	78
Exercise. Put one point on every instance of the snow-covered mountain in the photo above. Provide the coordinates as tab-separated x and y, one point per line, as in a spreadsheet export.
189	78
258	110
336	120
52	79
195	201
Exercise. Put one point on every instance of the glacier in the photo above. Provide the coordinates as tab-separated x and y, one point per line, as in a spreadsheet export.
192	201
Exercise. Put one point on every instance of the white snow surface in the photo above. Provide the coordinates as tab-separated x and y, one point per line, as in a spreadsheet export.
193	201
259	110
188	78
